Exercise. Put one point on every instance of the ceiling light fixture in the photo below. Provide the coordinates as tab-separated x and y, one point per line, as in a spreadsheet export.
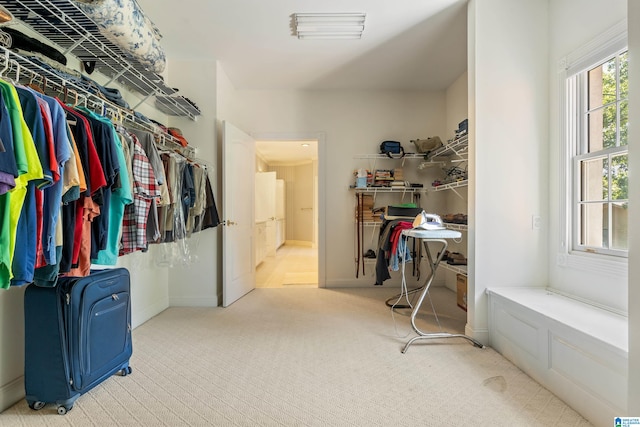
329	25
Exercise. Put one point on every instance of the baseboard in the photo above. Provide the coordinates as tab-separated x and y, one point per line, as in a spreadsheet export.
481	335
393	283
193	302
138	317
11	393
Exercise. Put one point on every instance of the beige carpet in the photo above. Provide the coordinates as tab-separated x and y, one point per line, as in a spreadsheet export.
307	357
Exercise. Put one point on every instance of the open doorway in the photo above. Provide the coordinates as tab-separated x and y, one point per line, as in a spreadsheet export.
287	212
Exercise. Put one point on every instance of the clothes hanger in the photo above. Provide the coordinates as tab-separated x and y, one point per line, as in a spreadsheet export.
6	63
33	85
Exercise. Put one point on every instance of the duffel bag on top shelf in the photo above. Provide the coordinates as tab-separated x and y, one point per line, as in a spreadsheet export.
391	147
427	145
124	24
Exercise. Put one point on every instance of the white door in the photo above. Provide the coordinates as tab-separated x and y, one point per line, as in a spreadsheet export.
238	256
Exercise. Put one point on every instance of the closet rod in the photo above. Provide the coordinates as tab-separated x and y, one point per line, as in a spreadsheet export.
88	99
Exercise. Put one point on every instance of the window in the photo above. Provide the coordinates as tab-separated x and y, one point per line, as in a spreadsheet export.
598	124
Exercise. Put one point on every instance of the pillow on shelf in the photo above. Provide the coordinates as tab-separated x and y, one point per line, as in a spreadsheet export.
124	24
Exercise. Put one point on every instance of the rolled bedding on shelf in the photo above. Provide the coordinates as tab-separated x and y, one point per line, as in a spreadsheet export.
124	24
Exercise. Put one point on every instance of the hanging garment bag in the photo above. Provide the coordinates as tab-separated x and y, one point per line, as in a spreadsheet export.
77	334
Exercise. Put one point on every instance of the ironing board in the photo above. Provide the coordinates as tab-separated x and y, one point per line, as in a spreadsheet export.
426	236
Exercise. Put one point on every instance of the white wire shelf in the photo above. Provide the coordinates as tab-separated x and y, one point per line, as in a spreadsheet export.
460	269
371	223
15	65
385	157
374	190
457	227
458	147
64	25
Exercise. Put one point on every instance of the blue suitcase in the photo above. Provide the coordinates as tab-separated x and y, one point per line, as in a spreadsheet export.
77	334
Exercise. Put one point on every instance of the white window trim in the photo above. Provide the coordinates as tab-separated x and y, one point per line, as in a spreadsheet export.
608	43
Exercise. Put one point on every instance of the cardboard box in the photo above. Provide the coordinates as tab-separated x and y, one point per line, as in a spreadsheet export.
461	285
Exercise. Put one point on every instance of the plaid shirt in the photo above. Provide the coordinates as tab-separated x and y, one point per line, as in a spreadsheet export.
145	189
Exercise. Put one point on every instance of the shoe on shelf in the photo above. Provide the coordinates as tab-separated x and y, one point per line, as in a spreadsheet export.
445	257
370	254
448	217
456	258
460	218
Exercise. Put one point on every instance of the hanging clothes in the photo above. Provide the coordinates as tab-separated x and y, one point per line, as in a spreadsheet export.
28	167
145	191
29	228
119	196
76	191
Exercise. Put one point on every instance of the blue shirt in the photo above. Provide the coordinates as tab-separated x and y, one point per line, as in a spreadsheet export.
53	194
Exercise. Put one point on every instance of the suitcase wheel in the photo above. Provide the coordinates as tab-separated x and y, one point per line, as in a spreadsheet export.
64	409
36	406
126	371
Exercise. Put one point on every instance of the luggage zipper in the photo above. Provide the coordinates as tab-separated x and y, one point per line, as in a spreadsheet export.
68	298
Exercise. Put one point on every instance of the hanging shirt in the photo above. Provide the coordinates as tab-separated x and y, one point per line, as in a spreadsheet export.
210	216
145	189
147	140
8	167
27	162
53	194
103	139
8	164
29	223
34	120
69	219
120	197
87	210
94	174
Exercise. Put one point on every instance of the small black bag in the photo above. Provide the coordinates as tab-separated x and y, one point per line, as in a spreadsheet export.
391	147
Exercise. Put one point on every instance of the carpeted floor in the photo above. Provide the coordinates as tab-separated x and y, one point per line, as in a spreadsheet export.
301	356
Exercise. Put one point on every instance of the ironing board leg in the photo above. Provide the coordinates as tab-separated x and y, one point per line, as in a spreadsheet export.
434	266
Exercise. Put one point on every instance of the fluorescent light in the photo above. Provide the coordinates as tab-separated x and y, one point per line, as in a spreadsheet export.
329	25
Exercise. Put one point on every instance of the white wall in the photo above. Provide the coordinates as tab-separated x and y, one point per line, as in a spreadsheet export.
509	172
196	282
353	123
574	23
634	212
457	109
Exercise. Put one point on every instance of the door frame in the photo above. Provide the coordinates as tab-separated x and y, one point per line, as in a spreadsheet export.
321	201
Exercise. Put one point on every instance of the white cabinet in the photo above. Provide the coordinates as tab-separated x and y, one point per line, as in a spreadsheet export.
281	225
266	208
270	210
260	242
